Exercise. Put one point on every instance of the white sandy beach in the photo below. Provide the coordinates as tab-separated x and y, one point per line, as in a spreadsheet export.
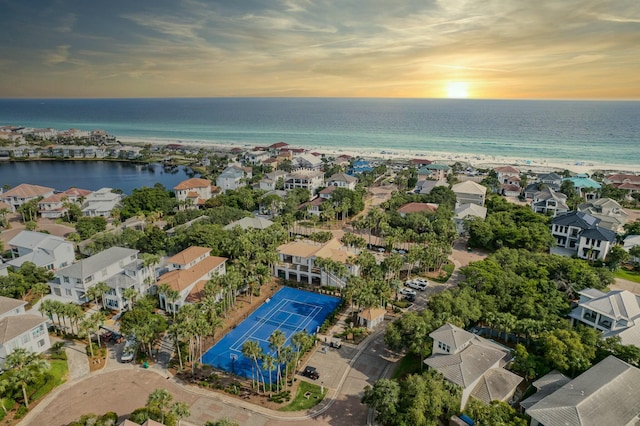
479	161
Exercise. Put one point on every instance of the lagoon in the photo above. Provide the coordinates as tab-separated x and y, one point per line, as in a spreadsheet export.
91	175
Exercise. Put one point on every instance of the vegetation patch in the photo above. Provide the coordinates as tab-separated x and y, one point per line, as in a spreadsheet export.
409	364
307	396
627	275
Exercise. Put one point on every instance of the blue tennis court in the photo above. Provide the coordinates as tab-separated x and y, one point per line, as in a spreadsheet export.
289	310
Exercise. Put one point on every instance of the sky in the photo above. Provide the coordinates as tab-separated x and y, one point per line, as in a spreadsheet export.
497	49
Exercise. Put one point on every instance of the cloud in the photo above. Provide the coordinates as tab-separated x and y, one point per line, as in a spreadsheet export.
58	56
66	23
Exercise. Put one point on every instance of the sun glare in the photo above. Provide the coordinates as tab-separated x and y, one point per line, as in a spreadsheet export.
457	90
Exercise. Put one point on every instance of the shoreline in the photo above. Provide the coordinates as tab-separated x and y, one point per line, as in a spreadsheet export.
475	160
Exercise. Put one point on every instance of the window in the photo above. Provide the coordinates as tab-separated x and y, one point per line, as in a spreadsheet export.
65	280
56	291
67	292
40	343
25	338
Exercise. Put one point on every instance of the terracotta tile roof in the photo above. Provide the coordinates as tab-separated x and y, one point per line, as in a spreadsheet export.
25	190
507	169
192	183
188	255
278	145
180	279
197	292
418	207
77	192
372	313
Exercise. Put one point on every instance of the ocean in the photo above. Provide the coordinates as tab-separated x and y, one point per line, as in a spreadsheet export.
581	132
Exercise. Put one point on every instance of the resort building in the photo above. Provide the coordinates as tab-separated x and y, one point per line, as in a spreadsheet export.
44	250
55	206
310	180
117	267
606	394
616	313
297	262
549	202
611	214
473	363
101	203
23	193
194	192
189	271
579	233
469	192
19	329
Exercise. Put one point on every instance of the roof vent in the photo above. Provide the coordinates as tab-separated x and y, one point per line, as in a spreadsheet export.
571	386
582	393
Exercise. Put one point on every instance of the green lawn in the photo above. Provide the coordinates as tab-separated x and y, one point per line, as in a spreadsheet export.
56	376
300	402
627	275
445	273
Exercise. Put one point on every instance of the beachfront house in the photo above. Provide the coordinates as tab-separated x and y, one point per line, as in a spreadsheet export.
101	203
19	329
587	188
193	193
628	182
611	214
118	267
231	178
435	171
310	180
549	202
469	192
23	193
56	205
475	364
508	175
44	250
359	166
296	262
615	313
579	234
188	273
606	394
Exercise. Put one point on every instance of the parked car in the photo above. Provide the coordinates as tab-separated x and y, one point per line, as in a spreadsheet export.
311	373
418	284
406	291
335	343
129	350
410	298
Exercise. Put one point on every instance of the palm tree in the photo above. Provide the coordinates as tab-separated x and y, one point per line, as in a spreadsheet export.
276	341
27	368
177	330
97	292
130	294
269	364
162	290
160	399
180	410
5	386
252	350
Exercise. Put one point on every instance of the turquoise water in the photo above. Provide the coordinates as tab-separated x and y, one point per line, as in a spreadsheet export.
586	131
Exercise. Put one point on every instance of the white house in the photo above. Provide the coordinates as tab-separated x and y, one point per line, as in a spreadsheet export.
23	193
296	262
257	156
230	178
271	181
309	161
44	250
548	201
473	363
193	192
469	192
53	207
343	180
606	394
118	267
101	202
467	211
19	329
616	313
189	271
611	214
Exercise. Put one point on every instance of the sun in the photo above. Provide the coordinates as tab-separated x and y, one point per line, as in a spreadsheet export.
457	90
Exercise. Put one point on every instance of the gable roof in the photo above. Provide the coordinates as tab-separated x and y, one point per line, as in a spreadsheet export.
470	209
13	326
179	279
616	304
598	233
250	222
497	384
507	170
342	177
545	385
453	336
7	304
417	208
578	219
32	240
97	262
332	249
606	394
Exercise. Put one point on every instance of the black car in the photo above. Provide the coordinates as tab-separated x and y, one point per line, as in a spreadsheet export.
311	373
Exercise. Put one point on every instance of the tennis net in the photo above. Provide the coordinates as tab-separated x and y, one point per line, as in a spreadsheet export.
276	323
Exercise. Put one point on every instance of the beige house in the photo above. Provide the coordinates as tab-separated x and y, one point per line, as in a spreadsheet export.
469	192
371	317
194	192
53	207
188	273
473	363
296	262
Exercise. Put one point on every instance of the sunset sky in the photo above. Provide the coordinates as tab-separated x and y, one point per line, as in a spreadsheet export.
557	49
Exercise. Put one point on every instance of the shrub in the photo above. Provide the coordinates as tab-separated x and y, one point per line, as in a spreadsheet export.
20	412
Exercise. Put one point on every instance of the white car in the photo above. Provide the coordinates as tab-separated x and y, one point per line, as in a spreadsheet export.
406	291
418	284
